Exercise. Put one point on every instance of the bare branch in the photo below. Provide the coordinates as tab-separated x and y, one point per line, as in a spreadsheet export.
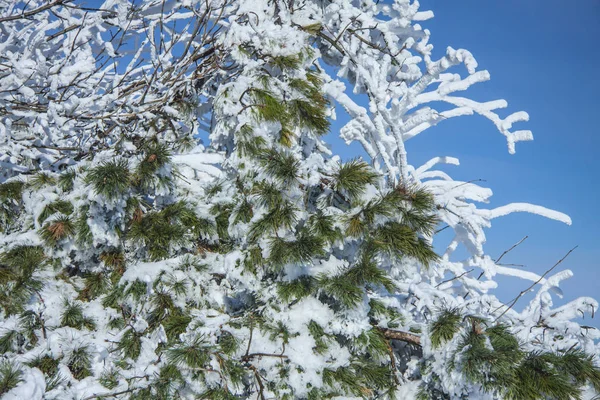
401	336
512	304
511	249
32	12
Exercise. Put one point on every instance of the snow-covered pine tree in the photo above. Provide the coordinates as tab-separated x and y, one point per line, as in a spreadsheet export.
136	263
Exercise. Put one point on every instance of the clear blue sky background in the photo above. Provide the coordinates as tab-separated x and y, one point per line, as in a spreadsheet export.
544	58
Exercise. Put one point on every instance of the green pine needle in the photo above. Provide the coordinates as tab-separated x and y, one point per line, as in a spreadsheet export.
399	240
281	166
20	262
267	194
373	343
367	272
137	290
156	156
346	378
193	355
10	376
160	230
309	114
324	226
73	317
110	179
228	343
80	363
66	180
282	216
445	327
243	212
59	206
580	366
296	289
84	233
321	338
302	250
352	178
341	289
12	190
536	379
267	106
54	381
110	378
40	180
130	344
286	62
58	229
8	341
253	259
46	364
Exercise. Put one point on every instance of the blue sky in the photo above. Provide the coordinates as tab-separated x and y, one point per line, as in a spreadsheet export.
544	58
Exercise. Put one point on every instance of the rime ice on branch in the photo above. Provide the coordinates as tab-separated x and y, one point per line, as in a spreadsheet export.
137	263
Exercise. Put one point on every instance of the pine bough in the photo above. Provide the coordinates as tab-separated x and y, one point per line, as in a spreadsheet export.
138	264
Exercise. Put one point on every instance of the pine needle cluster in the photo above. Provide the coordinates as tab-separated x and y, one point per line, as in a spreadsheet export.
258	267
489	355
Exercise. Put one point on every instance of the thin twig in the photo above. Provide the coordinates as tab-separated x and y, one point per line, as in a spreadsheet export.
441	229
64	31
471	181
512	248
453	279
261	386
101	396
502	255
531	286
249	356
250	339
32	12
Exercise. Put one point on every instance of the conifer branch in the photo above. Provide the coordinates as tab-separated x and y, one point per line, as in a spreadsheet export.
183	259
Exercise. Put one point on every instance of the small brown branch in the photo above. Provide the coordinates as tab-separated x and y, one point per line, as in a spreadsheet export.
32	12
39	146
468	182
113	394
401	336
368	43
497	261
261	386
64	31
442	229
331	42
392	361
247	357
511	249
90	9
453	279
512	304
249	339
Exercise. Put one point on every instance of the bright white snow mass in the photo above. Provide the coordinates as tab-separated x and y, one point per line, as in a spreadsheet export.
137	262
